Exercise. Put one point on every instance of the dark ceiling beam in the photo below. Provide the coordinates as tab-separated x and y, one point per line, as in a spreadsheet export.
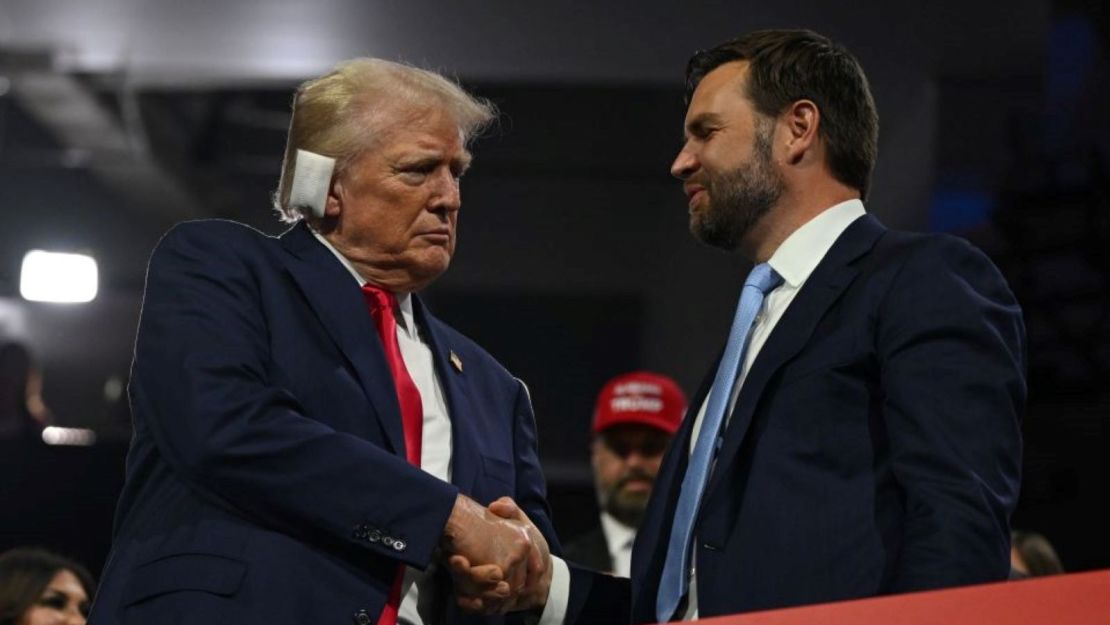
95	137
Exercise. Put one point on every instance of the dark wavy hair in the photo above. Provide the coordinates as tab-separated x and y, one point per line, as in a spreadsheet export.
790	65
24	575
1037	553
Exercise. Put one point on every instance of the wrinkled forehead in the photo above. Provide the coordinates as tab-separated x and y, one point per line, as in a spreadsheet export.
728	75
427	131
390	119
720	94
401	133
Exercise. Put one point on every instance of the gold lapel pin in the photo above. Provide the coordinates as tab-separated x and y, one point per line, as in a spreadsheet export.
456	362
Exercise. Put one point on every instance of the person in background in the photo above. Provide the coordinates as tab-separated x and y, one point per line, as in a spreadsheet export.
634	418
23	414
40	588
1031	555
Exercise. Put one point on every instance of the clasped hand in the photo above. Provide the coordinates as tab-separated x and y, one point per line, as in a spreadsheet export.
499	561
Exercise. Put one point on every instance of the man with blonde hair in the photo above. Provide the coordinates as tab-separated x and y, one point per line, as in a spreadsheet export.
310	442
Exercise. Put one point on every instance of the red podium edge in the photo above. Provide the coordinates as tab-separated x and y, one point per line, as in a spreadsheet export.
1073	599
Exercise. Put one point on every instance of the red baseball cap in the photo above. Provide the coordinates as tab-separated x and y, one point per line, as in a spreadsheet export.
640	397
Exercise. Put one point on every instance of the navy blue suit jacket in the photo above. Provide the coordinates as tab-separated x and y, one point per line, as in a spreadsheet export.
266	481
874	448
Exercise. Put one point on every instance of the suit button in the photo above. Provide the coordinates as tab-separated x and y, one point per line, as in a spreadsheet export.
362	617
387	541
399	545
374	536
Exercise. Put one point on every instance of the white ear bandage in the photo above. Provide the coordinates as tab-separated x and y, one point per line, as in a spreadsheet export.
311	181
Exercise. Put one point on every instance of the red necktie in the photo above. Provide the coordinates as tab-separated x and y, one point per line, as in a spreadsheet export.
381	304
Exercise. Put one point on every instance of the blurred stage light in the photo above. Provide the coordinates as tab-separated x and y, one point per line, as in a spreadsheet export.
53	435
57	277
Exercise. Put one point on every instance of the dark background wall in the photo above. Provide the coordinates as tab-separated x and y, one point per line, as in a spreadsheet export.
574	261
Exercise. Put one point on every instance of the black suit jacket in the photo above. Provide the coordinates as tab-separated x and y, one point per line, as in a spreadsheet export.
266	481
590	550
874	448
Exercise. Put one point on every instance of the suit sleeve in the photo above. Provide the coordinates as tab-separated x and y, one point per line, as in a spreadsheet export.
952	373
593	598
531	488
201	383
598	598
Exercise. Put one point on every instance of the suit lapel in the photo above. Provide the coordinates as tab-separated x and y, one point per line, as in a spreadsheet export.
668	482
823	287
334	296
465	458
650	547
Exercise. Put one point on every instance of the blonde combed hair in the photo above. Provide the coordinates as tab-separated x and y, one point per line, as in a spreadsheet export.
344	112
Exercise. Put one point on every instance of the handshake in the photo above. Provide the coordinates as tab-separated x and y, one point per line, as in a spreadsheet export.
499	562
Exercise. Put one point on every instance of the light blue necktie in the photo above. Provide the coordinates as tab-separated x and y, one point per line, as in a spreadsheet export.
673	584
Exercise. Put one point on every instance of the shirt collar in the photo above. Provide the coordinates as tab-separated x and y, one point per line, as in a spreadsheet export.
404	300
617	534
801	252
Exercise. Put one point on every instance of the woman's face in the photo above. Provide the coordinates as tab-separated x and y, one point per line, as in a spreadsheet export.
63	602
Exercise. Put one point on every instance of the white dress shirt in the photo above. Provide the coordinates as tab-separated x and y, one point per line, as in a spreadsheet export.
420	603
618	538
794	260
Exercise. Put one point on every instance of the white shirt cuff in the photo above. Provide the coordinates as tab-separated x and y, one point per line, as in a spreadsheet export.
555	612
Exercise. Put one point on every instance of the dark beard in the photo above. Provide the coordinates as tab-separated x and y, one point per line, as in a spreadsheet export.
625	508
738	199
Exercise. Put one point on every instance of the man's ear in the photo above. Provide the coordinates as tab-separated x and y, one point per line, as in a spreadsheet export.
333	206
802	120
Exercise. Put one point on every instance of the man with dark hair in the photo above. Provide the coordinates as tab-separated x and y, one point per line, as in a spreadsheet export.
635	417
860	434
787	66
